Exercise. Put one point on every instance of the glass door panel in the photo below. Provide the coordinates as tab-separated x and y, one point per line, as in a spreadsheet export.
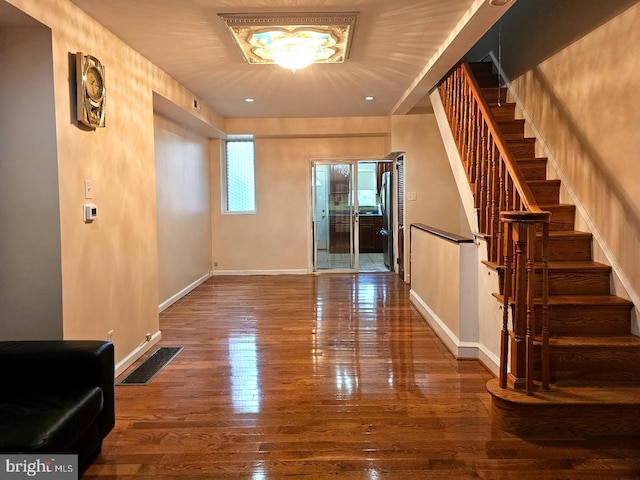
335	218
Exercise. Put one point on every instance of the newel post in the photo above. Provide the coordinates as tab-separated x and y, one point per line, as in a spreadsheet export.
519	281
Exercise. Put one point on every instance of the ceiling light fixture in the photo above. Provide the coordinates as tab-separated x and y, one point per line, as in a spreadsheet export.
292	40
369	98
249	100
294	51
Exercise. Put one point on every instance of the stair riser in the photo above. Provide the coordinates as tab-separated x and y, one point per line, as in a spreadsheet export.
586	319
563	249
565	421
546	193
533	172
522	149
504	112
487	80
562	217
513	127
574	283
593	363
490	91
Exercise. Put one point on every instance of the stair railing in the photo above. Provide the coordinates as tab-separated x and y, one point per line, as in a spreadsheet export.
509	218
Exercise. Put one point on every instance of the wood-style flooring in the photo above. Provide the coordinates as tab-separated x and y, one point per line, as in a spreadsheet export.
329	376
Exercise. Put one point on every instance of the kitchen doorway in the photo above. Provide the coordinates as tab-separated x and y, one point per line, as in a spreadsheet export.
334	216
352	218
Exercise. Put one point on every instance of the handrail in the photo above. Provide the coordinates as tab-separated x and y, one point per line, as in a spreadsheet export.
516	174
509	218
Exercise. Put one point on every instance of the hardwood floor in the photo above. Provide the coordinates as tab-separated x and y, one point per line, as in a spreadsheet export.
329	376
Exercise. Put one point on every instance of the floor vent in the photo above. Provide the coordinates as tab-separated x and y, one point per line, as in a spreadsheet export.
152	366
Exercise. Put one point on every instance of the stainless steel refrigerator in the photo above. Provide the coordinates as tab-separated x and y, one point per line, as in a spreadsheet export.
387	224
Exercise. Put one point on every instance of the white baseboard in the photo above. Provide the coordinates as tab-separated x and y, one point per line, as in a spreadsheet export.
489	360
174	298
143	348
260	272
454	345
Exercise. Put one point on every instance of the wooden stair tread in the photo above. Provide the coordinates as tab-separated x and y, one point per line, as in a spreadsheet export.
556	206
588	300
575	265
603	341
571	393
559	266
594	300
568	234
553	181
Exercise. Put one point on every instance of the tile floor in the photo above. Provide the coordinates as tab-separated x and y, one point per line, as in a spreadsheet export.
369	262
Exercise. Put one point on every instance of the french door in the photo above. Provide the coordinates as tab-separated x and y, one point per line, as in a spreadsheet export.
334	220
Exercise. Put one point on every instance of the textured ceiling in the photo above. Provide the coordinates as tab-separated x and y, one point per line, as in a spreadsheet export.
400	48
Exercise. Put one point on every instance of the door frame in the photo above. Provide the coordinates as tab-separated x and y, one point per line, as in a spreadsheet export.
353	209
311	248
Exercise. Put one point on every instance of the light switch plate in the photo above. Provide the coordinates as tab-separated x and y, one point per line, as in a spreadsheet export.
88	189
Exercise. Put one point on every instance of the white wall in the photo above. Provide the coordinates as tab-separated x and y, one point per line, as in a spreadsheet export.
30	264
183	209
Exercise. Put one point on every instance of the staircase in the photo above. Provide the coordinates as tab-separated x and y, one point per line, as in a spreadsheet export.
594	359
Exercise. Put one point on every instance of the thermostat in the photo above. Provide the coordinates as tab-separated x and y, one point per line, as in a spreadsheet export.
90	212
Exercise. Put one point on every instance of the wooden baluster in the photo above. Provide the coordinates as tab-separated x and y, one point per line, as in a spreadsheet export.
531	320
452	116
470	138
468	133
502	169
545	306
519	289
506	292
495	200
478	152
488	182
457	94
464	131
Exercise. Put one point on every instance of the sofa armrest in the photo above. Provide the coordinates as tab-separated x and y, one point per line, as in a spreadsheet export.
55	364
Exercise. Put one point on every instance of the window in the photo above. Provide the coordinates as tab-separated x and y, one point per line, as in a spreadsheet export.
367	184
239	176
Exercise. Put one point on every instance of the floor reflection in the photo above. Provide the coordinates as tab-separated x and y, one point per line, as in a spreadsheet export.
245	381
354	338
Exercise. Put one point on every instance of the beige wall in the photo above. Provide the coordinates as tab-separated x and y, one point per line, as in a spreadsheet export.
428	175
110	267
443	289
277	238
183	209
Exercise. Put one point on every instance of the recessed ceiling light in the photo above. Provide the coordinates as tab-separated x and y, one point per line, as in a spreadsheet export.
369	98
249	100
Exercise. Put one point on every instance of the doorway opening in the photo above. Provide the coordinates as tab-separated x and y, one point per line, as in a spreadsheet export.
352	216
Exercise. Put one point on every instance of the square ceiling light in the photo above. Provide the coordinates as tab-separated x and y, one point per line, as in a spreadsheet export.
292	40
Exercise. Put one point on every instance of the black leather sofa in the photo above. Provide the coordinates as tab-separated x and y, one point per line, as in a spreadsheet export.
57	397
